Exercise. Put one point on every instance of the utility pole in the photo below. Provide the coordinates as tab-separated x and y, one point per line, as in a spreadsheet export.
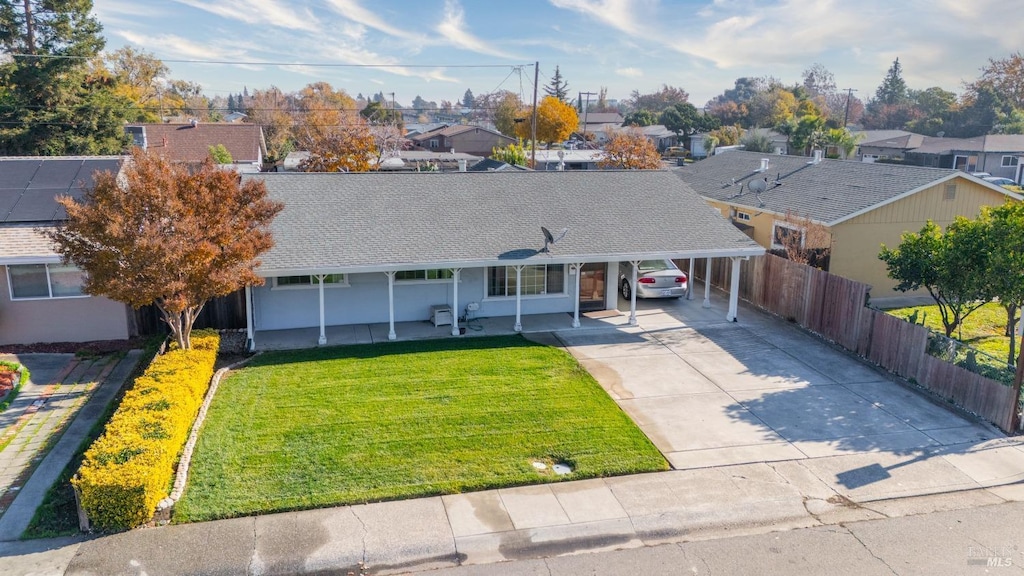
586	108
846	115
533	127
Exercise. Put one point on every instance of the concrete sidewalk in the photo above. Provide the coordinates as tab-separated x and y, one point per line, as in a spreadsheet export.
107	378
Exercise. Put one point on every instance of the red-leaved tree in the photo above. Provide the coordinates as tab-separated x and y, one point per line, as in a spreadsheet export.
169	235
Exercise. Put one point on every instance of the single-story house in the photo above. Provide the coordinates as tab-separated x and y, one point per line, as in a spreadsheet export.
475	140
385	248
861	205
191	142
403	160
566	159
41	299
997	154
594	122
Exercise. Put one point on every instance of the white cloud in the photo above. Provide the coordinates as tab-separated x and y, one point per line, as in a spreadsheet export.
264	12
618	14
629	72
352	10
453	29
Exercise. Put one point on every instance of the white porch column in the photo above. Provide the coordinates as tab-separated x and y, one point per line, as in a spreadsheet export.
689	282
519	291
734	290
249	329
323	332
391	305
707	284
455	300
576	309
632	293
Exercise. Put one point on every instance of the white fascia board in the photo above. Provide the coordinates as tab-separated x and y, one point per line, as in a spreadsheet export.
15	260
554	259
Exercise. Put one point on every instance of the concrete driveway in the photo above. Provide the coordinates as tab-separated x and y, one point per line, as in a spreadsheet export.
713	393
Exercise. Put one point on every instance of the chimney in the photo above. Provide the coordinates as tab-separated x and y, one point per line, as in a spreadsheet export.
764	165
817	157
462	165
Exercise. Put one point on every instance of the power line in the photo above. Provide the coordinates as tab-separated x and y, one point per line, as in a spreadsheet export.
270	63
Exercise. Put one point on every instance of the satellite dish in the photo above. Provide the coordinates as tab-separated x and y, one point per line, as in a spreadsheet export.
757	186
550	238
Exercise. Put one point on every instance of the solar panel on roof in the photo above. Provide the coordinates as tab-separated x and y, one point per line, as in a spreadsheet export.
89	168
55	174
17	173
36	206
8	198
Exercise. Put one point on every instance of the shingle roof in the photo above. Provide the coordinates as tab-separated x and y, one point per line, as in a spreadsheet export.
601	118
25	241
29	186
343	222
828	191
188	143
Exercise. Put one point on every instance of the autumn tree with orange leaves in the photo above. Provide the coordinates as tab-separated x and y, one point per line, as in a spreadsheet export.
329	127
630	150
556	121
169	236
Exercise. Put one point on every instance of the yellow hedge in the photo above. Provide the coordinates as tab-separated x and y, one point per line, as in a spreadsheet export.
129	469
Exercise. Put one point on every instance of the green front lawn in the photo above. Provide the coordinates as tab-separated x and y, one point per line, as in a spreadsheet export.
983	329
355	424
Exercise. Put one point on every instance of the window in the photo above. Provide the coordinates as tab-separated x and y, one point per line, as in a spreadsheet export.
539	279
29	281
309	281
965	163
1010	161
742	216
423	275
433	143
785	235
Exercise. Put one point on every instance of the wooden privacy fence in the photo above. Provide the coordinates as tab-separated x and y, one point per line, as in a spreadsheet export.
835	308
227	312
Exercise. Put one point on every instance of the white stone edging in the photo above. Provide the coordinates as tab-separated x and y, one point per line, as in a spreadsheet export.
181	475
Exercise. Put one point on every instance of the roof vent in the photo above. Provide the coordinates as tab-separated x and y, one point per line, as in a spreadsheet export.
194	122
764	165
817	157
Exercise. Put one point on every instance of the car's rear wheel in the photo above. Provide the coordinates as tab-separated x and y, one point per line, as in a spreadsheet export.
625	290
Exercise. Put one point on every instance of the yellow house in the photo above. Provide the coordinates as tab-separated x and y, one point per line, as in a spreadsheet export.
859	205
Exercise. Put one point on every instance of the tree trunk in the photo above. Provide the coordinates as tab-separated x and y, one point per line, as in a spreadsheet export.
30	29
1011	322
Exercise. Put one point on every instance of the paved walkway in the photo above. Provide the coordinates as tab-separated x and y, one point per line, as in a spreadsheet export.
768	429
43	430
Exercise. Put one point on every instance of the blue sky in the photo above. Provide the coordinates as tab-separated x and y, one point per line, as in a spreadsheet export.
430	47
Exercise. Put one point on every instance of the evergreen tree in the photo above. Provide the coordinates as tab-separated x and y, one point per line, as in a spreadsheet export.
231	103
53	100
558	87
893	89
468	100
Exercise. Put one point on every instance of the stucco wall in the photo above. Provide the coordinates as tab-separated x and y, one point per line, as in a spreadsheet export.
365	301
856	243
59	319
762	222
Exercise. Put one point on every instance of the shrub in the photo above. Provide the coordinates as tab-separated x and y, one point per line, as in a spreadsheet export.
129	469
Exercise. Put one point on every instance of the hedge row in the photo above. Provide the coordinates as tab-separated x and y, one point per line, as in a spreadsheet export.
129	469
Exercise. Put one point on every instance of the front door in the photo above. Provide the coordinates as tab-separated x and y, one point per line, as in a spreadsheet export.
592	283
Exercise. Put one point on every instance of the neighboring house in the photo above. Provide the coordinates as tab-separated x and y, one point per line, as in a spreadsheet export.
383	248
41	299
997	154
861	205
491	165
863	136
567	159
660	136
191	142
475	140
696	142
404	161
596	122
235	117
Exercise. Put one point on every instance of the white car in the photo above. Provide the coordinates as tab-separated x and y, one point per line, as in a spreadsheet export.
654	278
999	181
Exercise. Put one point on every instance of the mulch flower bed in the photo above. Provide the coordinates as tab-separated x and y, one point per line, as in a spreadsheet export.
7	379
